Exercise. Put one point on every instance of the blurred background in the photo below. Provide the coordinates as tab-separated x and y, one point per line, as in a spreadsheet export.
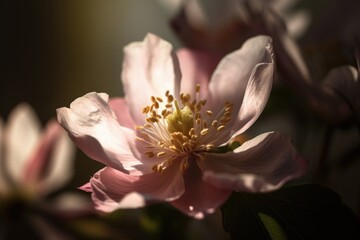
55	51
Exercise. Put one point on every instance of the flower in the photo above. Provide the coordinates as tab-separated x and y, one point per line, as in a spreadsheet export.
164	140
219	27
33	163
344	82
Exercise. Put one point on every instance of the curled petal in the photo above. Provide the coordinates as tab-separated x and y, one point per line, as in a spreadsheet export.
150	65
264	163
122	112
256	96
109	187
21	137
200	197
345	82
244	78
93	127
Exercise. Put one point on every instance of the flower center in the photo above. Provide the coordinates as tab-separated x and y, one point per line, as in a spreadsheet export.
176	129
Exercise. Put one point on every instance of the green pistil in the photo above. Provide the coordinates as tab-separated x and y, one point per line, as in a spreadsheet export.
181	120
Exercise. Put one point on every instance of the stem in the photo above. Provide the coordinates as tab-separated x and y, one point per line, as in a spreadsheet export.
322	166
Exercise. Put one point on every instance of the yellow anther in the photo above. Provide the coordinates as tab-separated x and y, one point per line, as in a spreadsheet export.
160	154
192	131
146	109
204	131
209	113
197	89
173	147
170	98
209	147
221	127
214	123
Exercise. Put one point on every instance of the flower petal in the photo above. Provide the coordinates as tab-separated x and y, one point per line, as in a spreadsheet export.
244	78
264	163
93	127
150	68
255	98
40	162
110	186
345	82
200	198
21	137
122	112
61	164
196	68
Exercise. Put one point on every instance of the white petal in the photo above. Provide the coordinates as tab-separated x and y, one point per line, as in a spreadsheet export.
150	68
95	130
244	77
262	164
256	95
110	187
61	164
345	82
21	137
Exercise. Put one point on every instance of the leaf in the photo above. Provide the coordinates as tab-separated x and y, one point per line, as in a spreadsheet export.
273	227
299	212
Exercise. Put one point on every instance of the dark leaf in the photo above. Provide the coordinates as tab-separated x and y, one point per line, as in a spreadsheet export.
299	212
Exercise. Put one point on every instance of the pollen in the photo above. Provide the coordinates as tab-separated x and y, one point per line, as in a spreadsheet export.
178	130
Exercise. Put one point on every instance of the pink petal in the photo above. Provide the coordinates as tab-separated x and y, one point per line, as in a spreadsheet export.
288	55
122	112
38	162
200	198
21	137
345	82
244	78
150	68
93	127
196	68
60	167
255	98
110	186
262	164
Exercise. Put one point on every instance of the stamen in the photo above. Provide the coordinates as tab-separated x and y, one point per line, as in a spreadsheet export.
160	154
181	128
204	131
197	89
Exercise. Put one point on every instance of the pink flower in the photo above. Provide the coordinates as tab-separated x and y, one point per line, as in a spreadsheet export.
181	120
32	162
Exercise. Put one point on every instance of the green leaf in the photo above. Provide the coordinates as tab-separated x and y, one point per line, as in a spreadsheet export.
273	227
299	212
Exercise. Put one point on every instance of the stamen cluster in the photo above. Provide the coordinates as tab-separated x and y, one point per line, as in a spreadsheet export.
179	130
